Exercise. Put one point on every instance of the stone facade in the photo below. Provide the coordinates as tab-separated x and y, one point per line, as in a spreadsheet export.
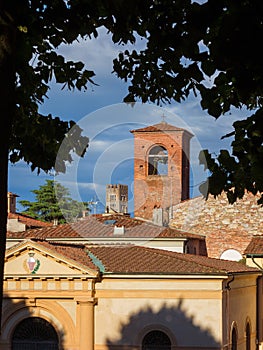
117	198
226	226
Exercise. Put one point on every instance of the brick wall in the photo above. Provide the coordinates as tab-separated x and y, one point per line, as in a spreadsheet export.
160	191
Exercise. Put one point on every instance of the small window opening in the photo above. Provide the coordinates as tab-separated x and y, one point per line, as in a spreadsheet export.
234	339
156	340
248	337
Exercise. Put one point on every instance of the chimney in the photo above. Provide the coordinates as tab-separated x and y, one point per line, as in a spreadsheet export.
118	230
11	202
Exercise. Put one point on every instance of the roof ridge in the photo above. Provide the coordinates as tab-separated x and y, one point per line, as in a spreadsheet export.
96	261
66	244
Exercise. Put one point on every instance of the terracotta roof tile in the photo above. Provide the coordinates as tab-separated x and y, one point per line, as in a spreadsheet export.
28	221
60	231
172	233
125	259
76	252
163	126
138	259
103	226
255	246
125	220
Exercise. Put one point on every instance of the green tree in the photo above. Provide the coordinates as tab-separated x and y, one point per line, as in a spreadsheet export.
54	204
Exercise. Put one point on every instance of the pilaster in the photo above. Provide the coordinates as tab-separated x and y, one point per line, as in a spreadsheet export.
85	307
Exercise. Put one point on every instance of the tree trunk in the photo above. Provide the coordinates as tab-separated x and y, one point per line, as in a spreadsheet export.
7	110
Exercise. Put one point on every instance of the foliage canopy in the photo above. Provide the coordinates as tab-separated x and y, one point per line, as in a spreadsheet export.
54	204
211	49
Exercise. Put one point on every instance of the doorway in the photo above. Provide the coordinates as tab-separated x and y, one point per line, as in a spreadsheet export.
34	333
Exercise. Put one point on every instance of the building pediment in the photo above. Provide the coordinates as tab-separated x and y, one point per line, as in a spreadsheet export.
42	259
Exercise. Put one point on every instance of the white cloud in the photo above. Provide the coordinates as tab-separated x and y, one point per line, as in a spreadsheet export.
97	53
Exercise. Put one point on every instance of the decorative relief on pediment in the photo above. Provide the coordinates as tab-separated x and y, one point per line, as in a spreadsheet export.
31	264
35	261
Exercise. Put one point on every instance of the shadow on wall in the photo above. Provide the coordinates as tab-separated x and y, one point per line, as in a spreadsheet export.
21	329
165	329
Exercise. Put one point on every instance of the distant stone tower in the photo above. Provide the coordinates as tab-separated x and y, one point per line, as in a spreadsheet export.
117	199
161	170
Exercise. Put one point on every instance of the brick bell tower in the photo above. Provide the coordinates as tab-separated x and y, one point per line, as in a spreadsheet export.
161	170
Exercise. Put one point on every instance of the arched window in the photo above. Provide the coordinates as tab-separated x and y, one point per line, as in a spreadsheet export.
248	337
231	254
34	333
158	161
156	340
234	339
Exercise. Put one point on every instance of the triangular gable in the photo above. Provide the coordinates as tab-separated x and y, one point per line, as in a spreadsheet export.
32	258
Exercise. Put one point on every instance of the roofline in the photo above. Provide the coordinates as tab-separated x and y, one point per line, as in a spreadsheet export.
177	275
161	131
118	238
251	255
130	275
51	276
162	276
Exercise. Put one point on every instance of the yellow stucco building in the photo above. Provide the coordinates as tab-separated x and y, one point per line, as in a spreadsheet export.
60	295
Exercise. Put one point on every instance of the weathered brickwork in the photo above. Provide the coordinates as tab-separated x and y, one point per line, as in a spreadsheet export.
160	191
226	226
217	242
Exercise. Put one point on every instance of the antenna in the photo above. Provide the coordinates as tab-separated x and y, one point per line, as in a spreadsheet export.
163	118
93	203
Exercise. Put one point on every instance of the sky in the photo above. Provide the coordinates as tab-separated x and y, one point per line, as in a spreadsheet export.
107	121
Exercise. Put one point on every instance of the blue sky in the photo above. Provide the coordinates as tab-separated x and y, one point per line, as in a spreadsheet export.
107	122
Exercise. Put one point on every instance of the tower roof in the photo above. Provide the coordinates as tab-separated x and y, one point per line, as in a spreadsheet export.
162	126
